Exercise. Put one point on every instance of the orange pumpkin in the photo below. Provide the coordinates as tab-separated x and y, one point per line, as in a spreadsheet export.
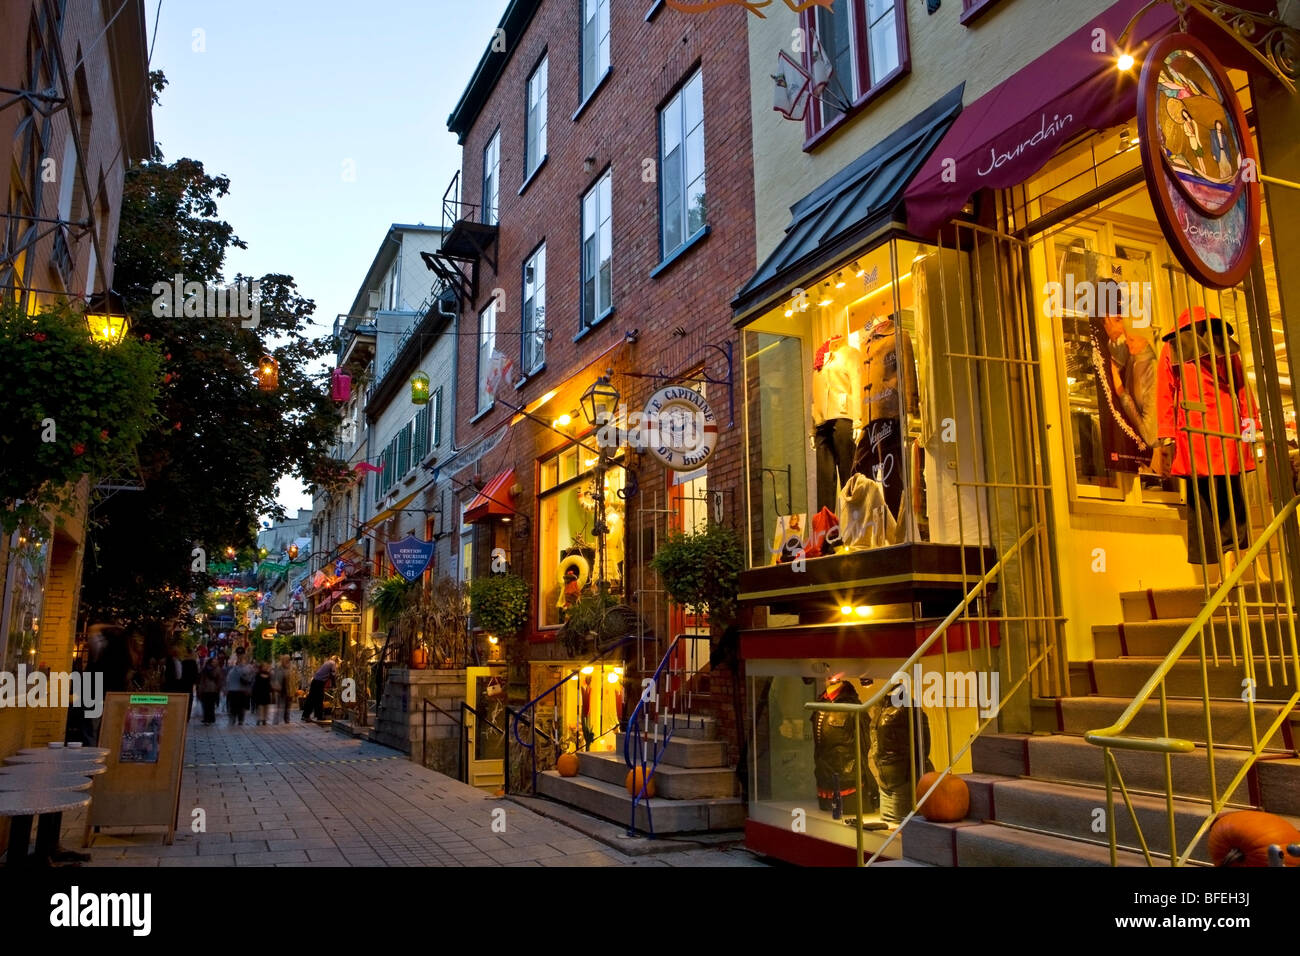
635	778
950	801
567	764
1242	838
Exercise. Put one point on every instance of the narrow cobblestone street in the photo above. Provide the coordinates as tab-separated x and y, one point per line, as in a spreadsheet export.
301	795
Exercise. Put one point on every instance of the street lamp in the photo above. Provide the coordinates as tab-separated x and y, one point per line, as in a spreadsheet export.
599	401
598	404
106	320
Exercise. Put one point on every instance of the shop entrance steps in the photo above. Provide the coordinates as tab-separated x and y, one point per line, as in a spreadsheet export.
696	789
1040	799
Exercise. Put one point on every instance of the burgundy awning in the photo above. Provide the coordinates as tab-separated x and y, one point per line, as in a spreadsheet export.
494	500
1011	132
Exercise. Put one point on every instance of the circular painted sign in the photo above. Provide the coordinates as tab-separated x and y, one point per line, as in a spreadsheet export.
1200	161
680	429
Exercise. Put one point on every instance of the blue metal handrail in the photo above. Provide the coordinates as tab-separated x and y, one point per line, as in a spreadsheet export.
523	712
647	770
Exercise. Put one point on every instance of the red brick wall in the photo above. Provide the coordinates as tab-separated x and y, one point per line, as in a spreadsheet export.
619	129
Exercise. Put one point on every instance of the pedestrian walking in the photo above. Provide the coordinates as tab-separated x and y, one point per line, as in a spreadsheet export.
211	680
262	694
325	676
282	686
239	686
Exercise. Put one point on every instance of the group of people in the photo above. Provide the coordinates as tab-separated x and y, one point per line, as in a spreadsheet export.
246	684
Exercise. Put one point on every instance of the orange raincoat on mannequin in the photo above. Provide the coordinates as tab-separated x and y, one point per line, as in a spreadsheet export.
1212	380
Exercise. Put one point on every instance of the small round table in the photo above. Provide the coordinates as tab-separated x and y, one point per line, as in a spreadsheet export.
45	780
86	769
60	757
66	751
48	805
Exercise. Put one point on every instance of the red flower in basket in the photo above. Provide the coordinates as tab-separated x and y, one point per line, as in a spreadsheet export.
78	449
39	336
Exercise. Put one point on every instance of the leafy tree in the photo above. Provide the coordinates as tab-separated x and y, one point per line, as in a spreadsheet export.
213	466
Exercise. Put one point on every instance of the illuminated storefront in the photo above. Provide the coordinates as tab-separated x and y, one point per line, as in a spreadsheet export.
981	406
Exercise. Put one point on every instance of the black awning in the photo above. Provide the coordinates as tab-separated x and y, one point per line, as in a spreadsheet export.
850	206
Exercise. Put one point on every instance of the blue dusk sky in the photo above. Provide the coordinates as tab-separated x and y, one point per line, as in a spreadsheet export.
329	117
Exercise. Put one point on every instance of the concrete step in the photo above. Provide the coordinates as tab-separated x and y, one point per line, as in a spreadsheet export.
684	751
671	783
989	844
1183	602
931	844
1125	677
1065	759
1075	811
612	802
694	726
1229	720
1279	786
1157	638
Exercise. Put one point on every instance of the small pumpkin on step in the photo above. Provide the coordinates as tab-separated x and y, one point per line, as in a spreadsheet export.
567	764
949	803
1243	838
635	778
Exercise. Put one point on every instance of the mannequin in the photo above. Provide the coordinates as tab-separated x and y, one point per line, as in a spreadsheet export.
1201	387
879	452
835	755
836	412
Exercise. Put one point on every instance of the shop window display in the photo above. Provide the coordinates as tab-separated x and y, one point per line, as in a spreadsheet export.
568	564
807	761
585	711
890	434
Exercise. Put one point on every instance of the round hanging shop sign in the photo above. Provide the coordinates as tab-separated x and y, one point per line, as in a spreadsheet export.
679	428
1199	160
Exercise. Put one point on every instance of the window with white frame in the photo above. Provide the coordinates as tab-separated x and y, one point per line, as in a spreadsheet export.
392	286
595	43
597	246
681	165
487	340
534	338
535	127
864	42
492	179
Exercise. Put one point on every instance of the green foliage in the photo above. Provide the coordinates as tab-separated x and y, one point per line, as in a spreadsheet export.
315	646
499	603
585	620
70	407
224	445
389	597
702	571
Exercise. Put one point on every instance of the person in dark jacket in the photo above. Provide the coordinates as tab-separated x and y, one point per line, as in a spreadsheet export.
835	756
211	679
262	694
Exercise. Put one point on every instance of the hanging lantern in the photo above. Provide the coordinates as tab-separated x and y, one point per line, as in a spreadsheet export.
106	319
293	552
600	400
268	374
340	385
419	389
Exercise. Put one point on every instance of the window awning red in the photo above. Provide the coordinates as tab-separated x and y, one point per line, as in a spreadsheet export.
494	500
1011	132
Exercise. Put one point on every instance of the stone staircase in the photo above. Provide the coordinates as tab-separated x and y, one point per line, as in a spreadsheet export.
1040	799
696	787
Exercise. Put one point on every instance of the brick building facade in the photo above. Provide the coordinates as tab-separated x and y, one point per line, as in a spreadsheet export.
663	318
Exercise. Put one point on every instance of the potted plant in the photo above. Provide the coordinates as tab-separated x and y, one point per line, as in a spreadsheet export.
499	604
701	572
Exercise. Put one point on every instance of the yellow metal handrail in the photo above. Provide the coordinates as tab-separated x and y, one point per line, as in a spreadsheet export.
1113	737
886	688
